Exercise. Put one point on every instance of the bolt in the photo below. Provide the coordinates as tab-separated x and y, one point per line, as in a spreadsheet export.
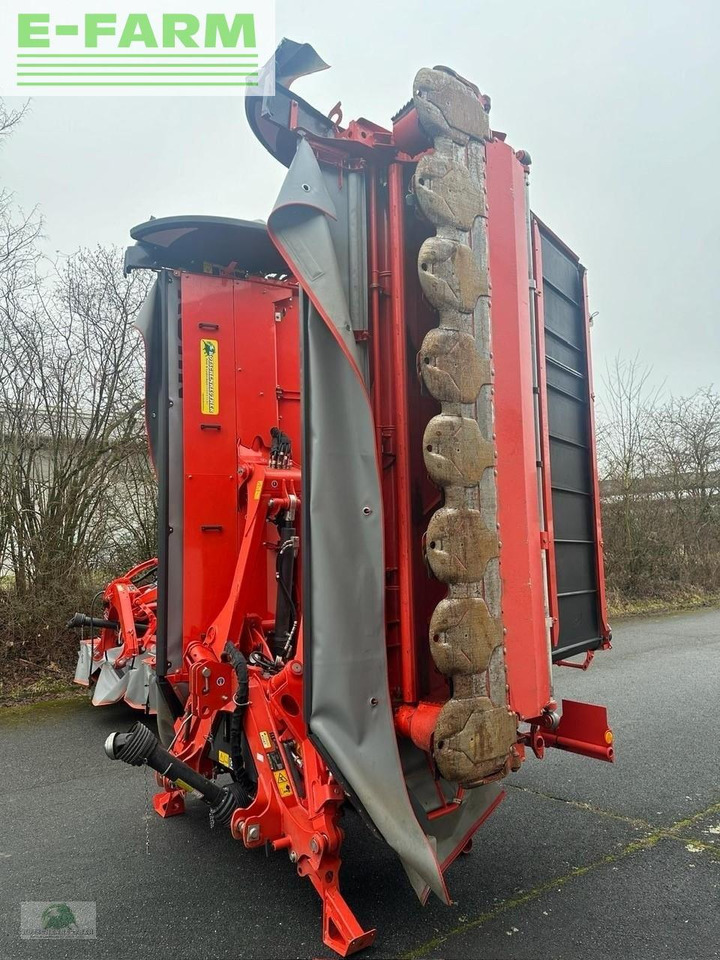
293	856
314	845
253	833
297	668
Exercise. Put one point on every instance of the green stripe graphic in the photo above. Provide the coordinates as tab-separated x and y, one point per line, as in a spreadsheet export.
31	83
199	55
189	73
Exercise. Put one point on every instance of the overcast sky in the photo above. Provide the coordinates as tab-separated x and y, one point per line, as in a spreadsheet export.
618	103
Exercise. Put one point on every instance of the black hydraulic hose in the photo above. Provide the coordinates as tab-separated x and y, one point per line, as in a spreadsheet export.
92	645
240	775
285	611
139	745
96	623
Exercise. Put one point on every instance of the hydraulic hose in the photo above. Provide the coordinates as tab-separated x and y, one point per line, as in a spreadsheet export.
243	780
96	623
139	745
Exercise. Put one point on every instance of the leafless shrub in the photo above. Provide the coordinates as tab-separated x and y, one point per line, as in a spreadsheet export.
660	469
77	495
73	460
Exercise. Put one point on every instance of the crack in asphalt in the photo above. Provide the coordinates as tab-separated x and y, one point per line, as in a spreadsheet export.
635	846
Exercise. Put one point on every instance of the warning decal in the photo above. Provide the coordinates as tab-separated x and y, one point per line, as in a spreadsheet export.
280	773
283	782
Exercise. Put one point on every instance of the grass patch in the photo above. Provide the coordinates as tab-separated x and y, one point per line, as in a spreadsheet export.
656	606
14	693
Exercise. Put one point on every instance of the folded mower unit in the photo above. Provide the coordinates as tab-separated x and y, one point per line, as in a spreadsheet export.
372	426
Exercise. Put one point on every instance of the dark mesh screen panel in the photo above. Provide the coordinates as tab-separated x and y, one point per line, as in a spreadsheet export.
571	453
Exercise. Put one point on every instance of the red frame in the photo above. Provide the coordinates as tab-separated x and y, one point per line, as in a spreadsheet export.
128	604
521	561
395	248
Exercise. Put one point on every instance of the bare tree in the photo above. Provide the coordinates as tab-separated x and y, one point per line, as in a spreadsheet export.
686	442
18	263
132	510
73	420
660	462
77	495
10	118
18	231
75	415
626	419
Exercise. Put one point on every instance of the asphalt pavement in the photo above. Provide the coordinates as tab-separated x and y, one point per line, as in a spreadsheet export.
583	860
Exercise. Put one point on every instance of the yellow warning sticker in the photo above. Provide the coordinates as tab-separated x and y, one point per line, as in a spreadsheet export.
283	782
258	489
209	377
265	739
225	759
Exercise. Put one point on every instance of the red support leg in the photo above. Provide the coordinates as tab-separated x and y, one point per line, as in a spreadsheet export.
169	803
341	930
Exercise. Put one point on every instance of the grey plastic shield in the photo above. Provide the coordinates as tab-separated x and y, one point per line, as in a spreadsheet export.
164	400
348	706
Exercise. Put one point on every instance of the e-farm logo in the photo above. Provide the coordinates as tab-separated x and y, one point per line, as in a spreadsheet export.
46	920
106	48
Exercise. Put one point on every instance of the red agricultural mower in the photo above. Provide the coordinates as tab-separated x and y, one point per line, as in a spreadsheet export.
372	426
120	663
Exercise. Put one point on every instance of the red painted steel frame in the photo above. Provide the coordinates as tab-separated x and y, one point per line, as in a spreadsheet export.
210	521
257	389
396	250
523	596
583	729
389	393
231	496
128	604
